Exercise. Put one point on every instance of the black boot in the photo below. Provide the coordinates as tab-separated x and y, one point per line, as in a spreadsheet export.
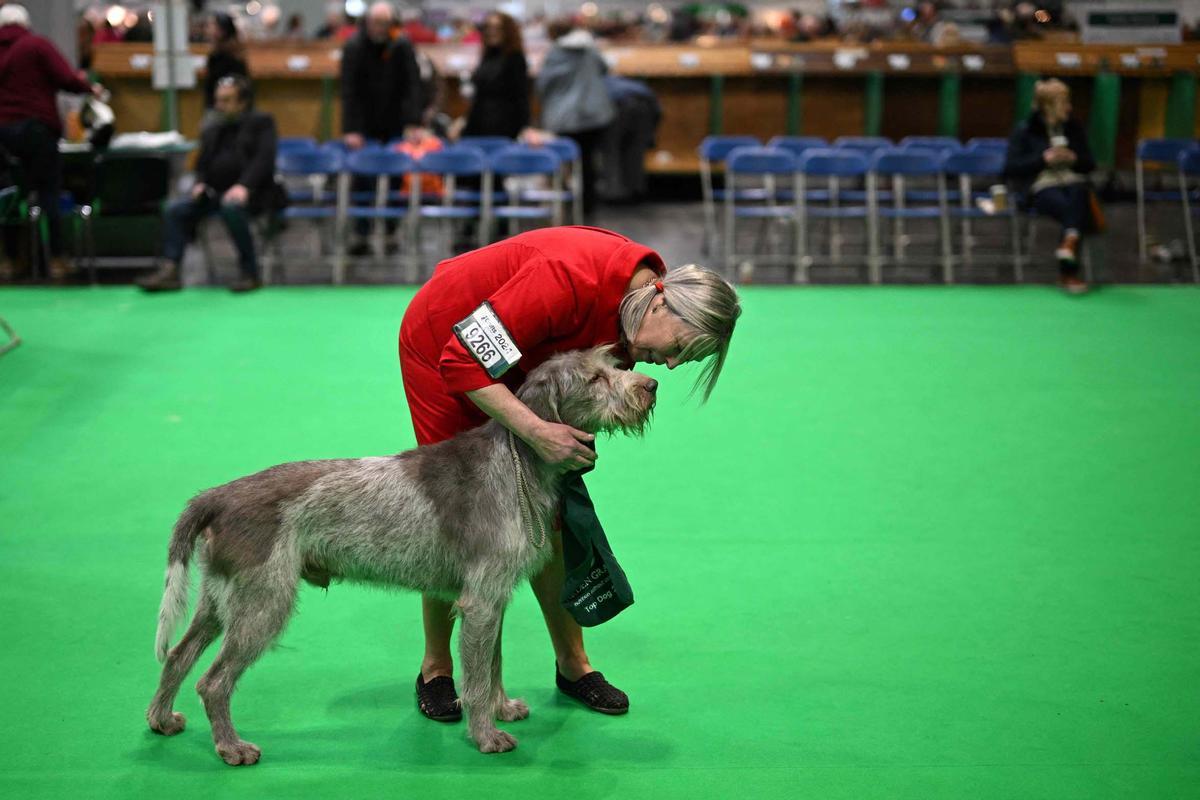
245	283
166	279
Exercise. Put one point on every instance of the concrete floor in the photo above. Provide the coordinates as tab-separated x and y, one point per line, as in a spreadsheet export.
676	230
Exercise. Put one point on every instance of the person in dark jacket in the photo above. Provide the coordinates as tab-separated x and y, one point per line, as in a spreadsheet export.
381	82
500	106
235	178
32	72
1048	161
628	137
382	95
227	56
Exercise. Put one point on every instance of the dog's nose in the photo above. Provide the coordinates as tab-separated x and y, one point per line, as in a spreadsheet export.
651	386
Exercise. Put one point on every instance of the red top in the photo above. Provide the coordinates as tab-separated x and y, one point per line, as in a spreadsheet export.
31	72
555	289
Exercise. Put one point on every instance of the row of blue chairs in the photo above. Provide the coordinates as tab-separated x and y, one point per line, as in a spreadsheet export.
800	181
514	183
1174	161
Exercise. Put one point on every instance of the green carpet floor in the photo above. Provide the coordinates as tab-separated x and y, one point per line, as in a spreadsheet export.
922	543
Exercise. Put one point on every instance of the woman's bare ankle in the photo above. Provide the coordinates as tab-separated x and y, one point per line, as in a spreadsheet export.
435	668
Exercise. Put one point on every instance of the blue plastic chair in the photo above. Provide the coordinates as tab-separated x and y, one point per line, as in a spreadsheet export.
967	167
712	152
1189	170
571	161
834	167
313	202
942	144
451	164
520	161
897	165
383	166
867	146
304	179
295	144
796	145
340	146
488	144
1164	155
768	168
987	143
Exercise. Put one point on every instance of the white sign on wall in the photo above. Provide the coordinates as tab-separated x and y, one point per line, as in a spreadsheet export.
1129	22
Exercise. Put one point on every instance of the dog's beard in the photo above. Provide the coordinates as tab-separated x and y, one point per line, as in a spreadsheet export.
629	413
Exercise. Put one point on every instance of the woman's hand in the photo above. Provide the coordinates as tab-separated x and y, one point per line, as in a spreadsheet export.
558	445
561	446
1058	155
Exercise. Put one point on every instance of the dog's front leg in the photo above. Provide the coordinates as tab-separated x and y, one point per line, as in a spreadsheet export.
504	709
477	643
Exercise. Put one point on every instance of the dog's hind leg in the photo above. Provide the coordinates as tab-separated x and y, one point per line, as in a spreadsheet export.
505	709
205	628
477	644
255	610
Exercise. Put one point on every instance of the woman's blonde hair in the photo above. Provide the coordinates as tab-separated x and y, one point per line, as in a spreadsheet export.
1045	91
707	304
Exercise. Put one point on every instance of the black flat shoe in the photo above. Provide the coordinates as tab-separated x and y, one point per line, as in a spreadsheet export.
594	692
438	699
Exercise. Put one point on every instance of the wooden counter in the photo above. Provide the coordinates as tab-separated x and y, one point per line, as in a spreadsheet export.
762	88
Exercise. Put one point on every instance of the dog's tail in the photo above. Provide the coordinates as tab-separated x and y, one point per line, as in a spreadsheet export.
194	519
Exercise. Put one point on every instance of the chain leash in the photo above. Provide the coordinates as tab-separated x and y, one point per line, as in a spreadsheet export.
528	518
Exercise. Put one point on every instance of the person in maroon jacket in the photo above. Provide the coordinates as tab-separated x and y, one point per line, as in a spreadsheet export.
551	290
32	72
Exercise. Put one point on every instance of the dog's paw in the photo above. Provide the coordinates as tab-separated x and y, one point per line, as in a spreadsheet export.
239	753
494	741
512	710
167	724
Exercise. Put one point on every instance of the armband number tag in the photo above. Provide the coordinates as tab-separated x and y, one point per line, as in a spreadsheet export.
488	341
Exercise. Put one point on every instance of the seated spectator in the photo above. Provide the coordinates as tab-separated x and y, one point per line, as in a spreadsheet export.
1049	161
32	72
235	178
416	144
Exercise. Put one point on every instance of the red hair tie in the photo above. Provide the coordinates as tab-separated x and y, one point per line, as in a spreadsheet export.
658	287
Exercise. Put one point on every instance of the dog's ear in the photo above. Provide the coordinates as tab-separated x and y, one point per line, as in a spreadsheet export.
541	393
605	354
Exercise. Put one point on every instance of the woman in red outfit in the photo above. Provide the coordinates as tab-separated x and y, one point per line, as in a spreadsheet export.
553	290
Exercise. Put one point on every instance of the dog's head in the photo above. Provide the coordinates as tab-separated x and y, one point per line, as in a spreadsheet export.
586	390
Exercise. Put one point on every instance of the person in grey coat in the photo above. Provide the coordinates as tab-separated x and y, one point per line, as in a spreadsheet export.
575	101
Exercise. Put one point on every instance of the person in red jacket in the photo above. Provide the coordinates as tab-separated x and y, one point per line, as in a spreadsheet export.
32	72
551	290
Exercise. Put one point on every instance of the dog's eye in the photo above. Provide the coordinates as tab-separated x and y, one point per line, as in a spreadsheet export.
598	376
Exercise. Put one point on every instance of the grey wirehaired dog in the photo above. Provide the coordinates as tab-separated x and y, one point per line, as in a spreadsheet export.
455	519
